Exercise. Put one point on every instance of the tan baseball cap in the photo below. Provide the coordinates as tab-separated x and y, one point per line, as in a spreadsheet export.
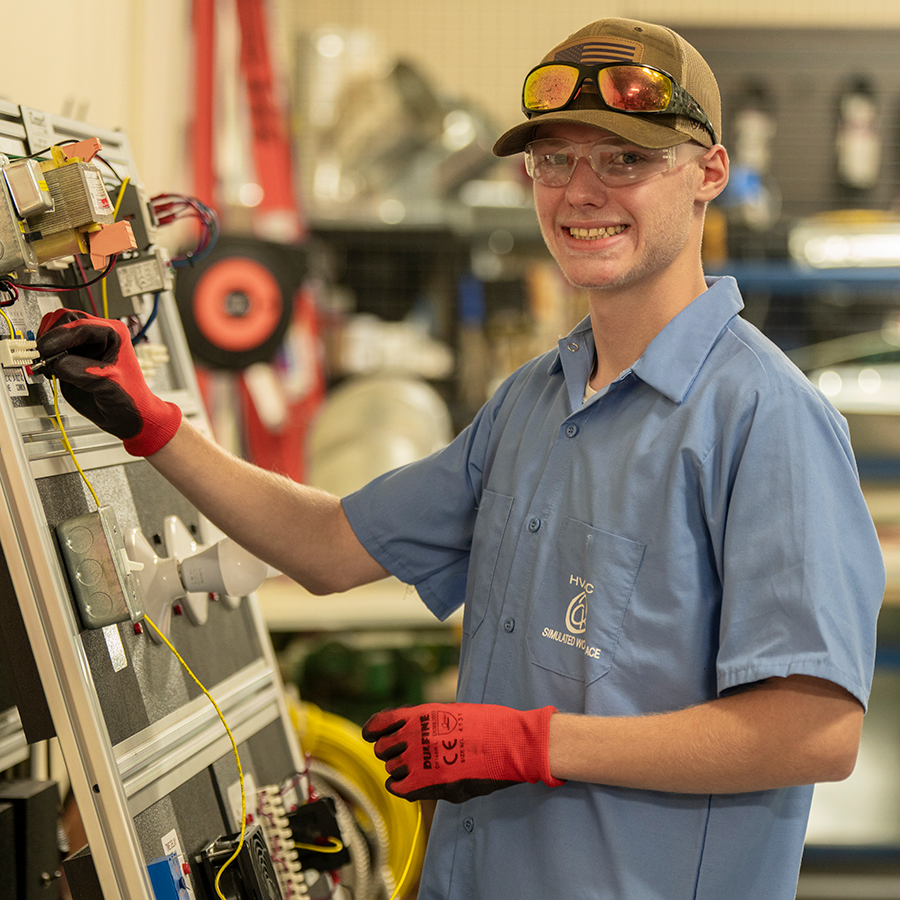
627	40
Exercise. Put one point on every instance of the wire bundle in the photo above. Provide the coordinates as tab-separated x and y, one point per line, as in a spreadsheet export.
6	283
172	207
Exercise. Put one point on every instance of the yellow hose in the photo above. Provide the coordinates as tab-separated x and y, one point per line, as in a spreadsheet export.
339	743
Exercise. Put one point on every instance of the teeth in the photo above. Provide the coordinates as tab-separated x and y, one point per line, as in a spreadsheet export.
593	234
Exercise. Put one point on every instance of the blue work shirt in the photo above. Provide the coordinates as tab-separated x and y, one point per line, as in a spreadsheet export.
696	527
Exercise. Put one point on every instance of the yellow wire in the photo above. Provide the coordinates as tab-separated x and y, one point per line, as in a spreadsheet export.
119	199
178	656
412	851
237	758
12	331
68	446
120	195
335	846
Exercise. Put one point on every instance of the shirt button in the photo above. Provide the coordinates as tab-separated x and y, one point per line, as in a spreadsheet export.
573	346
534	524
469	824
571	430
509	625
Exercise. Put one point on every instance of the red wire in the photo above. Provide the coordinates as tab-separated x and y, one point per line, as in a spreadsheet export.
85	278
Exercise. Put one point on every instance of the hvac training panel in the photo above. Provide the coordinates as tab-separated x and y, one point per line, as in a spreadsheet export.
148	758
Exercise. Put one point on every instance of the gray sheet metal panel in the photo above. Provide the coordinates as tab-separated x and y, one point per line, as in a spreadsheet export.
192	807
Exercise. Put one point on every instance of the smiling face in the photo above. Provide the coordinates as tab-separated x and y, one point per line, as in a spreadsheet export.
621	237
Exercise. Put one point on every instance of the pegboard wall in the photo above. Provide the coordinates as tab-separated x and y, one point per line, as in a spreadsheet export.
150	763
832	101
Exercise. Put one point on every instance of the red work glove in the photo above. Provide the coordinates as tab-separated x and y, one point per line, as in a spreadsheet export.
102	379
456	751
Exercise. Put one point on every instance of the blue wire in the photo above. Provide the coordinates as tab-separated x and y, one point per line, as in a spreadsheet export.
149	321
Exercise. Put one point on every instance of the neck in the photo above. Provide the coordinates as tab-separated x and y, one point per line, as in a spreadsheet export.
624	322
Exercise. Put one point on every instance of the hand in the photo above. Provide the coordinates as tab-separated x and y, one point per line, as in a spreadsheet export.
101	378
456	751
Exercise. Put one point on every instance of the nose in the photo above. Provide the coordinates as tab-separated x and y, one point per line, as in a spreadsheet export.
585	185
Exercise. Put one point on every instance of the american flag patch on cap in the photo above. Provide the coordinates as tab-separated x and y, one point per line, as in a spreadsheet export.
597	52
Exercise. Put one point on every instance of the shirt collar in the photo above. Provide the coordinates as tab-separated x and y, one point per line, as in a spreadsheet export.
674	357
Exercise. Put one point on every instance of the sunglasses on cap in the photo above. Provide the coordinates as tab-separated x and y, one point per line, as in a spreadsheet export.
622	87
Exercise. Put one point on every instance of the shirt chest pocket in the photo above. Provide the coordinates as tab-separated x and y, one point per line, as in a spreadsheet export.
577	618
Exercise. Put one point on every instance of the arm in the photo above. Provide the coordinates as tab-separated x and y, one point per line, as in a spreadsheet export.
301	531
298	529
785	731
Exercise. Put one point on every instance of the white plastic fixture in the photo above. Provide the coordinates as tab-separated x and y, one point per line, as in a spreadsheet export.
179	542
158	582
223	568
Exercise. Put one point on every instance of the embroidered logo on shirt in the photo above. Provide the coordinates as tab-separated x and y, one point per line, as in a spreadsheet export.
576	620
576	614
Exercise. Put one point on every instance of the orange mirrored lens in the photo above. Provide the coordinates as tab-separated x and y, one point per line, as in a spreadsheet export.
635	89
550	87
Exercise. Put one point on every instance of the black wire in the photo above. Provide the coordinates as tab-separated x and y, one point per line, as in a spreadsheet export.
64	288
8	288
109	166
48	149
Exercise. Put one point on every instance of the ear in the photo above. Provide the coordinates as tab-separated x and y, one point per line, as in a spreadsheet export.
714	168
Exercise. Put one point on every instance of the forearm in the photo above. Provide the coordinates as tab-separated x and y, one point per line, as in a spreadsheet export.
784	732
299	530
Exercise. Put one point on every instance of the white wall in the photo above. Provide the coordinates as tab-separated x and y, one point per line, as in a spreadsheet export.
484	47
127	63
116	63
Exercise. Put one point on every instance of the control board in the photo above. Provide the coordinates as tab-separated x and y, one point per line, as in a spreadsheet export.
134	613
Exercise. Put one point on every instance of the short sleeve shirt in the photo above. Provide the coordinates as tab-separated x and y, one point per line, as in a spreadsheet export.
696	527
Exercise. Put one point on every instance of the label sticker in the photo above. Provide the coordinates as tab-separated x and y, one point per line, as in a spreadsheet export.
116	649
99	198
139	278
15	382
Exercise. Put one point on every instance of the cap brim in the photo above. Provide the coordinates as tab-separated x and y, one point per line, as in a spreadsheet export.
640	130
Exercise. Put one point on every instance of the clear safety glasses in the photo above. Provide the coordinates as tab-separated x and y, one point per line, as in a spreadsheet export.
552	161
622	87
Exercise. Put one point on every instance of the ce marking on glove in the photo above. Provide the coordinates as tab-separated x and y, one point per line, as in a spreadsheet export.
436	751
448	746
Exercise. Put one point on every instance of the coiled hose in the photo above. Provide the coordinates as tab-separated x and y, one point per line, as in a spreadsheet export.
338	744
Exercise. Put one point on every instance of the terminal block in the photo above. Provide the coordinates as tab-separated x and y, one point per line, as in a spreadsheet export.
16	353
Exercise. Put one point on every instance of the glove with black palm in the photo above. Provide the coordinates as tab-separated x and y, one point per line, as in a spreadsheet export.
102	379
456	751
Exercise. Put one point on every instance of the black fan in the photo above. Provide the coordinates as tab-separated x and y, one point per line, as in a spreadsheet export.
250	877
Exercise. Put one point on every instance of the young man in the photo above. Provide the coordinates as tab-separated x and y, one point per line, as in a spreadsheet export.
669	574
